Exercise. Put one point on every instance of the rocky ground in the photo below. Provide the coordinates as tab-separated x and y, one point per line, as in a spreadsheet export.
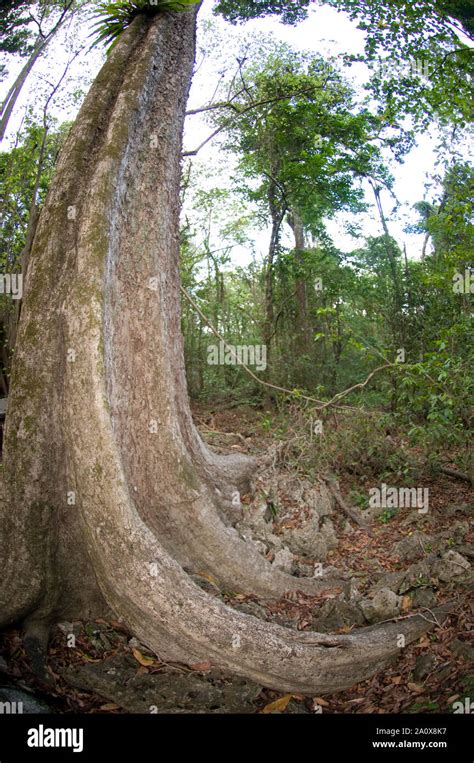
386	568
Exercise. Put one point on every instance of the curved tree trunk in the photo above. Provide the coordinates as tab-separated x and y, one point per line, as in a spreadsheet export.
110	497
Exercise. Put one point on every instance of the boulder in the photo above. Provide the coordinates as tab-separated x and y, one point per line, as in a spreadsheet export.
414	546
423	597
284	560
168	691
451	566
383	606
336	614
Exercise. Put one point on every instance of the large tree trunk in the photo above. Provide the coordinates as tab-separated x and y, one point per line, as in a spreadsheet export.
110	497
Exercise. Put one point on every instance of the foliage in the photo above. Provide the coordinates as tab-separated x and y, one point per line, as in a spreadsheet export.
114	17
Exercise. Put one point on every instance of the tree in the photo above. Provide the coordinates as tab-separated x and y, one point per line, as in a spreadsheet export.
51	16
303	147
110	496
404	42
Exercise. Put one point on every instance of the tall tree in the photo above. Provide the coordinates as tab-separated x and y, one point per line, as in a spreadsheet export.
110	496
303	146
50	17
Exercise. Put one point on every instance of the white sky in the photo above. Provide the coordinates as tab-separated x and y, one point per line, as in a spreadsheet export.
325	31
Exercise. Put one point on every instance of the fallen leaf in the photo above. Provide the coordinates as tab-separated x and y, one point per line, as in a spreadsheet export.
406	603
203	667
110	706
278	705
396	680
416	688
142	659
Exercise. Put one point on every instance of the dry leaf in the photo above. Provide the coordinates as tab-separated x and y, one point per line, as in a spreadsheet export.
203	667
279	704
110	706
142	659
396	680
406	603
321	702
416	688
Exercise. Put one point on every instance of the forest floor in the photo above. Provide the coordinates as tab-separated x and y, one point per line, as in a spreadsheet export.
416	560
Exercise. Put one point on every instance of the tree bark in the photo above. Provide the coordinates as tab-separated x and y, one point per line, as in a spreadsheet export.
302	327
110	497
277	214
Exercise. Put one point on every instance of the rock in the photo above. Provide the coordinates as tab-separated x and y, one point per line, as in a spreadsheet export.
415	518
329	533
21	701
450	566
310	534
261	547
423	597
391	580
353	594
423	666
284	560
463	649
466	549
307	540
384	605
414	546
456	532
417	575
462	508
335	614
254	529
164	692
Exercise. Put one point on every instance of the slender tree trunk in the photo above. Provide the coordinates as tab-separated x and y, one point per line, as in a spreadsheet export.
302	328
110	497
277	215
41	43
8	104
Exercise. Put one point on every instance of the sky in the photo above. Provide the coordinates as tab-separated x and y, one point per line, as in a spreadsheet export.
326	31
